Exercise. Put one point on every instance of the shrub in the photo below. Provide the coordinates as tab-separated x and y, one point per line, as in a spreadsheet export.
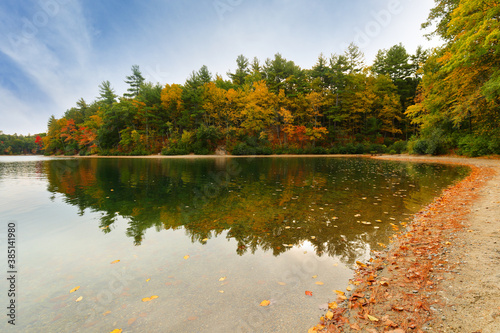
399	147
472	146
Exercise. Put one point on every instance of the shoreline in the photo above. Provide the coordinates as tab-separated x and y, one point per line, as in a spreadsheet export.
440	274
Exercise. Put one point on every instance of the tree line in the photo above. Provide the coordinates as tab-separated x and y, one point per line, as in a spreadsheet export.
20	144
274	106
429	102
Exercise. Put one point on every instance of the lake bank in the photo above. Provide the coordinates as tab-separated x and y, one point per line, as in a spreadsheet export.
440	275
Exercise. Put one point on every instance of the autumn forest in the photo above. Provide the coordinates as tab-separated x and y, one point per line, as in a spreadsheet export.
428	102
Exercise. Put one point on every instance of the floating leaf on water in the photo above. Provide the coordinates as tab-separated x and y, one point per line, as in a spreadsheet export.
74	289
319	283
265	303
222	279
379	221
313	237
186	257
309	293
79	299
116	261
116	330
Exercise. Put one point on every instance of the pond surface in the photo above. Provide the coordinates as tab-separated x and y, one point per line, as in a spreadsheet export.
211	237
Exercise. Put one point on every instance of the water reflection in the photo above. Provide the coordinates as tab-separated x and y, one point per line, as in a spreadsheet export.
343	207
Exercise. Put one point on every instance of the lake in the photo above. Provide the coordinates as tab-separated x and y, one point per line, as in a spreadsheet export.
210	237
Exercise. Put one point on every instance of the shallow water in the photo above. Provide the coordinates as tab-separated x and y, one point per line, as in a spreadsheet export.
253	228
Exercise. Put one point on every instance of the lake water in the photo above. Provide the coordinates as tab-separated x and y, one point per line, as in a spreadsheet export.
211	237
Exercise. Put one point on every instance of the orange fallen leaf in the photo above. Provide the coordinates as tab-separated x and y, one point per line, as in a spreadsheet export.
339	292
116	330
332	305
147	299
79	299
314	276
309	293
74	289
147	280
359	263
106	313
221	291
114	262
222	278
356	327
265	303
282	283
348	288
319	283
186	257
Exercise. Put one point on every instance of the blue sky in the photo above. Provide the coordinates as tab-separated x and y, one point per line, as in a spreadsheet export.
54	52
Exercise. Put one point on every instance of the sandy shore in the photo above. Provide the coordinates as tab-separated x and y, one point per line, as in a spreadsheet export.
443	273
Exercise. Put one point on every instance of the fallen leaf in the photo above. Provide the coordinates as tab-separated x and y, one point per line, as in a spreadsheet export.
106	313
398	330
116	330
314	276
114	262
313	237
192	318
332	305
204	239
359	263
372	318
329	315
221	291
79	299
154	296
309	293
186	257
356	327
319	283
147	299
339	292
348	288
148	280
222	279
265	303
282	283
131	321
74	289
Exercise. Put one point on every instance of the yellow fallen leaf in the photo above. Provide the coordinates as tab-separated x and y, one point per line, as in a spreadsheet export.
79	299
146	299
339	292
319	283
147	280
106	313
74	289
114	262
333	305
116	330
448	243
359	263
186	257
222	278
329	315
265	303
336	264
314	276
372	318
348	288
313	237
204	239
282	283
154	296
221	291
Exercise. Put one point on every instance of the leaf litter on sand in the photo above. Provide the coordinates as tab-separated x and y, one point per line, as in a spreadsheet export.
397	288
